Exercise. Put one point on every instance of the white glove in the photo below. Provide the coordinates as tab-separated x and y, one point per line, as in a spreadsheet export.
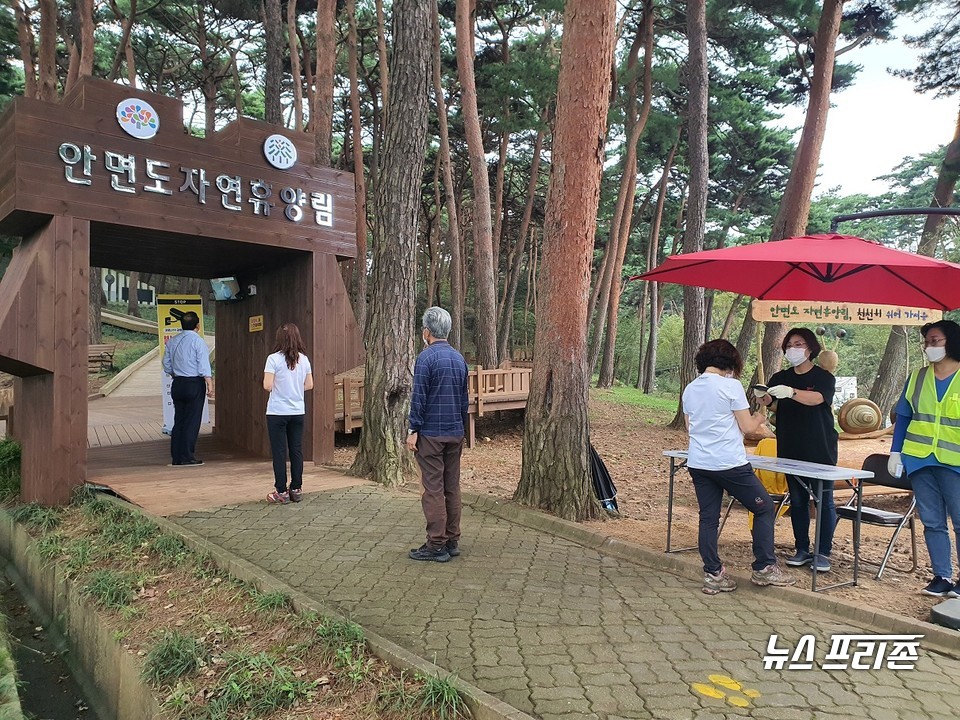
758	393
781	391
895	465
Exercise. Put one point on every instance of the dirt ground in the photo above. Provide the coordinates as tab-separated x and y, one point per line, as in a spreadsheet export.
631	440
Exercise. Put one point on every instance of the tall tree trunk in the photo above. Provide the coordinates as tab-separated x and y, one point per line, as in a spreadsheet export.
382	454
454	243
48	50
359	285
322	120
94	329
293	42
85	18
555	474
484	278
698	91
27	48
273	42
133	294
516	260
616	245
383	64
791	219
124	49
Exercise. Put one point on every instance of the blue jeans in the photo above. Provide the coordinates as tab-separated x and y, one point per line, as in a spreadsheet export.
800	514
286	431
937	490
742	484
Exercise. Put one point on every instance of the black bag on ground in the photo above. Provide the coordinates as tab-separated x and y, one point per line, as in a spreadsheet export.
603	486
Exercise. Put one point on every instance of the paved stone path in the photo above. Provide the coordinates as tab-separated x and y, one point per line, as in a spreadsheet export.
560	631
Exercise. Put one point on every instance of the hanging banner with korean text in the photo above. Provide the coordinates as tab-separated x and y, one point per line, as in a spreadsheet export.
170	308
842	313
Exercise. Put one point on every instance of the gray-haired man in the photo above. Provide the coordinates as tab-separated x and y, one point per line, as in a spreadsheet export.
438	416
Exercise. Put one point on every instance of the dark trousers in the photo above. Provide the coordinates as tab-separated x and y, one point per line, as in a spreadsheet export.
800	514
439	461
742	484
187	395
286	433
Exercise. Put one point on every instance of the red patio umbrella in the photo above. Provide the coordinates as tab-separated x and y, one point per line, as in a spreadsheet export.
828	268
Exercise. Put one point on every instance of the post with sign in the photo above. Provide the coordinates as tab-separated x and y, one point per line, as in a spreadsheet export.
170	308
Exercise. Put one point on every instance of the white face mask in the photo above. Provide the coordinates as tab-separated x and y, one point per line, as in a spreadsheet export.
935	354
796	356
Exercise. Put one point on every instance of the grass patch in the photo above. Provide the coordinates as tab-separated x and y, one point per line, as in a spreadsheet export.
37	517
111	588
212	646
9	469
625	395
174	656
441	697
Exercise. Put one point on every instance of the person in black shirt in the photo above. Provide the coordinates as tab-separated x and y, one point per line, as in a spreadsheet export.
802	396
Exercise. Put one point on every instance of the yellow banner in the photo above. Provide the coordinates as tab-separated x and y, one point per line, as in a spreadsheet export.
170	308
847	313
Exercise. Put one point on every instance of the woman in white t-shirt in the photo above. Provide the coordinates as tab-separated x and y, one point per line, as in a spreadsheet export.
717	415
286	376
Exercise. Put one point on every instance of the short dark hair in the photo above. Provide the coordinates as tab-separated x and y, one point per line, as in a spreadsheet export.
721	354
951	331
813	345
190	320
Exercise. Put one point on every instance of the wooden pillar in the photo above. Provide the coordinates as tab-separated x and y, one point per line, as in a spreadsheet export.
43	319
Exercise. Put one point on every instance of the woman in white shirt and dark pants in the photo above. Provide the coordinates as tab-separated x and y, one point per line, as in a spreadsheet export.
717	415
286	376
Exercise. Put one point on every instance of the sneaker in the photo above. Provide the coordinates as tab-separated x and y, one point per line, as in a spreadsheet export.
771	575
800	559
452	547
278	498
423	552
296	495
938	587
715	583
193	463
822	564
956	590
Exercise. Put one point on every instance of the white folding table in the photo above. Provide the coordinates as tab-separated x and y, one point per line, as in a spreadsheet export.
803	472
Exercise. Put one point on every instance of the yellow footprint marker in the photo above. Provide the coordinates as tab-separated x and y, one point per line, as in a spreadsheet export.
726	688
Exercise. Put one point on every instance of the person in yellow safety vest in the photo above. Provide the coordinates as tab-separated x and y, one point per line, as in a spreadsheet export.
926	445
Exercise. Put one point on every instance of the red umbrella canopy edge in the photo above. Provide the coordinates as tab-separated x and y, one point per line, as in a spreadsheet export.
825	268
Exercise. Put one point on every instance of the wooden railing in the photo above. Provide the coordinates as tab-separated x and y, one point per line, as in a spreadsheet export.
488	390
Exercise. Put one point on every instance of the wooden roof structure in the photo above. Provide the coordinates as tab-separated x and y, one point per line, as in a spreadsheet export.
110	177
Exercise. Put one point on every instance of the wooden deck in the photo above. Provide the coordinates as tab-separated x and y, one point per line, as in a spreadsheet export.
489	391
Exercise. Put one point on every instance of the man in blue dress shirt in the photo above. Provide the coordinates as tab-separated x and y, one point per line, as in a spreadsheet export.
187	360
438	416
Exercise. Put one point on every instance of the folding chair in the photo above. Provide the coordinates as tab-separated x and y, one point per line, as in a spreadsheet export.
774	482
877	464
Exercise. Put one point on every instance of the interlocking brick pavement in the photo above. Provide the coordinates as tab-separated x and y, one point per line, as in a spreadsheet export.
562	631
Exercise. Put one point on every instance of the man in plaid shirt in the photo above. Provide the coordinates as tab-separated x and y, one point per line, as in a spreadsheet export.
438	416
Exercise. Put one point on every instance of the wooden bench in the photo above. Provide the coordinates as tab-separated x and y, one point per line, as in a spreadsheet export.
100	357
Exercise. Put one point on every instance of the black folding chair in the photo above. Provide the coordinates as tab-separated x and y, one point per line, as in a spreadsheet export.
877	464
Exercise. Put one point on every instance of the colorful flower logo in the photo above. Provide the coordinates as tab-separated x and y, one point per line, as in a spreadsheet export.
280	152
138	118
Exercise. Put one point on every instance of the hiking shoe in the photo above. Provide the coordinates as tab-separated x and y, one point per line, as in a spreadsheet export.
822	564
423	552
278	498
800	559
296	495
715	583
452	547
771	575
938	587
